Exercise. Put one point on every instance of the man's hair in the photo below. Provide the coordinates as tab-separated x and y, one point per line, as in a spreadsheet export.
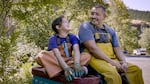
57	22
100	6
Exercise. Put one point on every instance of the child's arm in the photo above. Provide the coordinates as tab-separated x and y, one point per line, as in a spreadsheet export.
77	67
76	53
67	70
59	58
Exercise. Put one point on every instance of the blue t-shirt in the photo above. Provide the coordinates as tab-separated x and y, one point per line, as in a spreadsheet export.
87	30
54	44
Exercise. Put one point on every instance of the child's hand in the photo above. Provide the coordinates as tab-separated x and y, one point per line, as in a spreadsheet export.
69	75
78	70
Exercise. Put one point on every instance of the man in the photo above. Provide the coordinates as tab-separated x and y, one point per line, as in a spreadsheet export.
107	58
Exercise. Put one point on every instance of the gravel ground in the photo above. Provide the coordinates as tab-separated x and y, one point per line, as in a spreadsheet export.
144	63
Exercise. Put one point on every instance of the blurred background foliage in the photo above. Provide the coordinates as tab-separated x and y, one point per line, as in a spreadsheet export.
25	26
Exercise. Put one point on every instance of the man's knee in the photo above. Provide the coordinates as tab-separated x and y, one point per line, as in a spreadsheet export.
112	77
134	68
112	74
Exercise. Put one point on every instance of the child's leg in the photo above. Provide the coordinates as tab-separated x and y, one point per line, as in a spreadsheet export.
49	61
84	58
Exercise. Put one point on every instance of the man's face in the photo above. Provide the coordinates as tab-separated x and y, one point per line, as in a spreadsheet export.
97	16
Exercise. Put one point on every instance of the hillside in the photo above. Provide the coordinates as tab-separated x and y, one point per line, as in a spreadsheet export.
139	18
139	15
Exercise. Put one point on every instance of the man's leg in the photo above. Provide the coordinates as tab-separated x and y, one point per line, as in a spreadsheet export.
134	74
110	73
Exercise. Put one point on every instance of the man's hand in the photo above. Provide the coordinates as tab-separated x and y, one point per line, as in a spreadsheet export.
78	70
118	66
124	66
69	75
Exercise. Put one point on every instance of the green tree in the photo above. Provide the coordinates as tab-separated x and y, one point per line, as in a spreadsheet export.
35	18
27	23
145	39
118	18
8	37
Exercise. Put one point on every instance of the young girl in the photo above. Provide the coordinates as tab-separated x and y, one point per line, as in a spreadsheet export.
59	56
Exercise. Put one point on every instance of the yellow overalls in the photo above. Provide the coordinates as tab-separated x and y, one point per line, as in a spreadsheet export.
111	76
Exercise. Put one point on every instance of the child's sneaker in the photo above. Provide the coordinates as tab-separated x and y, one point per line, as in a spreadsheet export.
84	68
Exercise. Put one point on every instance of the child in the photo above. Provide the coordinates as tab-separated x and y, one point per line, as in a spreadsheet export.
59	55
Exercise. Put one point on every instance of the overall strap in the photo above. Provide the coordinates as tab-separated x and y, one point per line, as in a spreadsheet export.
64	45
97	34
66	49
59	41
109	34
67	39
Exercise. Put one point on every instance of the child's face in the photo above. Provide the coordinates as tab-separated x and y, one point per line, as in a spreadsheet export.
65	25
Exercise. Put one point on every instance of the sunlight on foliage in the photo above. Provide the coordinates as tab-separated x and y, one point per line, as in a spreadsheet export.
25	27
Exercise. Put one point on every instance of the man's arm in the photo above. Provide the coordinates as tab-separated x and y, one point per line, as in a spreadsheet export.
121	58
119	54
95	51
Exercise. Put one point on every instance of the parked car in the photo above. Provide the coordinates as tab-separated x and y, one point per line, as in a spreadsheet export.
140	51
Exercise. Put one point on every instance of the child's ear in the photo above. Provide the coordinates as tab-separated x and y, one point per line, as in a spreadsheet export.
57	27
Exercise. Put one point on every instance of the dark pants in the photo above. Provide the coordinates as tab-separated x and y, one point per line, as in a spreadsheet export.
91	71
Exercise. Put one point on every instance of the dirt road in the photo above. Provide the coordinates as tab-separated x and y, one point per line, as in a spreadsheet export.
144	64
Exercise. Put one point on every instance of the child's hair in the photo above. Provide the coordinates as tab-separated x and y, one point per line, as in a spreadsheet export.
57	22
